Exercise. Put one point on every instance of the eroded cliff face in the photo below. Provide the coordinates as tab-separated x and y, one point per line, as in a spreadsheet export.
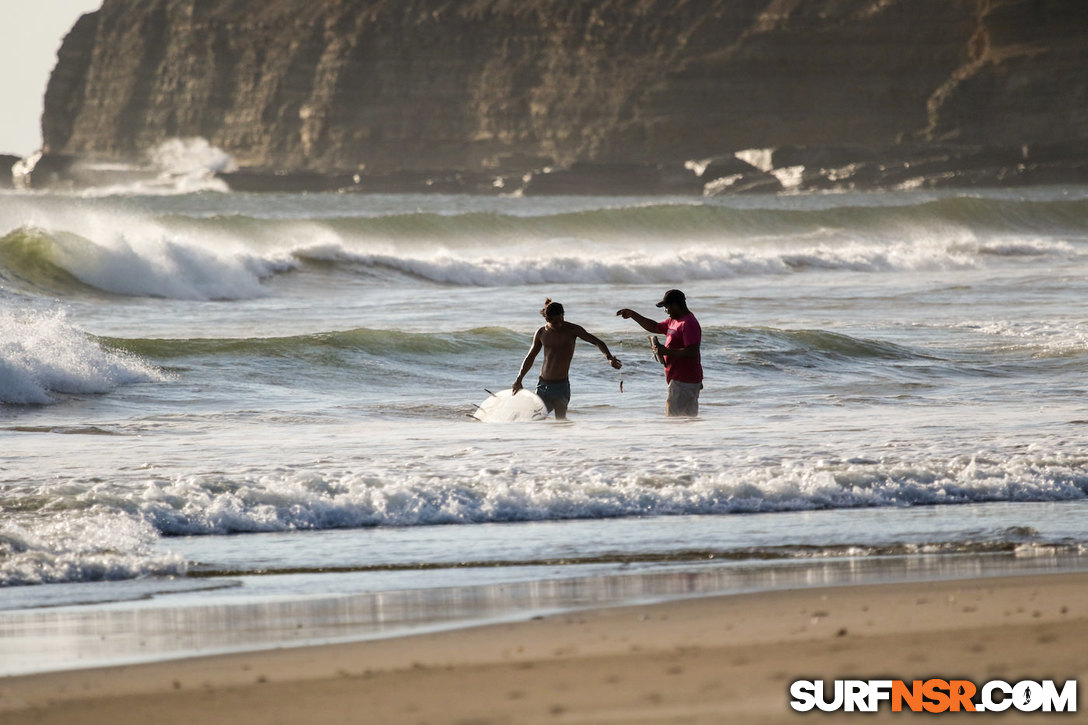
507	86
1024	80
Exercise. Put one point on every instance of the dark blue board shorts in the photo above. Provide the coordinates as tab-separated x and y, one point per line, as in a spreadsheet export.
551	391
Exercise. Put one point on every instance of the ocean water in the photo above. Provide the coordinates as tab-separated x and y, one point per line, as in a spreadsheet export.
218	407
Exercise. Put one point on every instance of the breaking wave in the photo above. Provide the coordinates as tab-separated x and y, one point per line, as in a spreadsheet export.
196	255
101	531
98	547
66	263
43	356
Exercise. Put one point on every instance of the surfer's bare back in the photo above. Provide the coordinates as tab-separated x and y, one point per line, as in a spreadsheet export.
557	338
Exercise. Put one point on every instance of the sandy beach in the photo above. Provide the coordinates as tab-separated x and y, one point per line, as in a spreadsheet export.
705	660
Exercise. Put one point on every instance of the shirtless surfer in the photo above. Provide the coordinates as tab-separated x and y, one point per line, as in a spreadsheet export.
557	338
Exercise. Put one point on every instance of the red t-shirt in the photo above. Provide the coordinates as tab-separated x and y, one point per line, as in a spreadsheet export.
682	333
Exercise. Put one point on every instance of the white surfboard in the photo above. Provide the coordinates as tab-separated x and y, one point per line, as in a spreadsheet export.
506	407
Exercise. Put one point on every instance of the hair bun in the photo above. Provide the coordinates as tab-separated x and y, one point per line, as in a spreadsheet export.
551	308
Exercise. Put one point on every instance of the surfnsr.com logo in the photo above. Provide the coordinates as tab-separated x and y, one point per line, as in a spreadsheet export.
933	696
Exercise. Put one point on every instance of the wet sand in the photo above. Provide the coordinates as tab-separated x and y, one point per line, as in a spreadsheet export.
705	660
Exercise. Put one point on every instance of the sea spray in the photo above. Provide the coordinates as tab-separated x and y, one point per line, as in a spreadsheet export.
139	262
42	356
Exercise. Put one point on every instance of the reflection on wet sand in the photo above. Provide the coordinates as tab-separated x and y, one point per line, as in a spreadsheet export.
123	632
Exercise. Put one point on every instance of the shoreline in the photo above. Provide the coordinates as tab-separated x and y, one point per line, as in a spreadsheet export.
144	621
700	659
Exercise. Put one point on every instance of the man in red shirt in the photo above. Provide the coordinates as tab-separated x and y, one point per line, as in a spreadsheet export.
683	335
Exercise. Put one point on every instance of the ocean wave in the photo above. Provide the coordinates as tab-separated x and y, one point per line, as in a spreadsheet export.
99	530
43	356
574	263
876	214
758	345
96	547
775	346
315	499
317	346
156	267
1012	545
179	269
224	257
26	257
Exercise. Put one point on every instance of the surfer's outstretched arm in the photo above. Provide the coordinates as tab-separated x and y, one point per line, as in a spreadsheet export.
590	338
645	322
527	363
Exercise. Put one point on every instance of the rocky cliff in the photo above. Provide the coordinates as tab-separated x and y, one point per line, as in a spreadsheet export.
358	90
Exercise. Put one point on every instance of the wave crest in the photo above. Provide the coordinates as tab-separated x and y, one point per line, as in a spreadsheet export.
229	256
63	262
42	356
214	504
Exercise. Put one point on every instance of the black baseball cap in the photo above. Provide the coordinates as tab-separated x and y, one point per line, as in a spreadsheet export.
673	297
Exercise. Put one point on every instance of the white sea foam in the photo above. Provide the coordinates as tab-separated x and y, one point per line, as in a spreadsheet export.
108	530
118	251
155	262
190	157
82	547
223	256
322	500
581	263
176	166
161	265
43	355
1044	338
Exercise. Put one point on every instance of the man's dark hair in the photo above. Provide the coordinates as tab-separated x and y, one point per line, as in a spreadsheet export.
551	309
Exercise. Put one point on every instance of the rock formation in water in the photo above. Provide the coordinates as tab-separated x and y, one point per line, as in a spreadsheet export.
489	94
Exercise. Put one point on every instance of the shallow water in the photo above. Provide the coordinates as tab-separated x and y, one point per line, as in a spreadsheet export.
197	387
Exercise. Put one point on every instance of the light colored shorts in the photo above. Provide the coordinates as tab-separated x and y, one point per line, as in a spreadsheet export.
683	398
